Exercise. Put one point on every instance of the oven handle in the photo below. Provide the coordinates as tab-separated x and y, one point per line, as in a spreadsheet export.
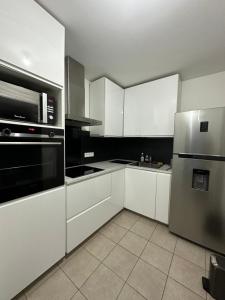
30	143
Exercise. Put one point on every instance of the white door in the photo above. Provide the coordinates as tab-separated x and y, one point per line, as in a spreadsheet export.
163	197
32	239
32	39
114	99
141	191
132	111
159	105
118	190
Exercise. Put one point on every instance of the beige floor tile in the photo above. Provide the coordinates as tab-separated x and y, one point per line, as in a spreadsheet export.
188	274
99	246
121	261
126	219
147	280
78	296
79	266
56	287
158	257
113	231
163	238
176	291
144	227
102	284
128	293
133	243
191	252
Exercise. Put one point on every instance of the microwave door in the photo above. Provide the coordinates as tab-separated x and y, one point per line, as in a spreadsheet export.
197	208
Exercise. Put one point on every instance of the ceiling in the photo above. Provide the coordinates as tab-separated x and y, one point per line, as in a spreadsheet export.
133	41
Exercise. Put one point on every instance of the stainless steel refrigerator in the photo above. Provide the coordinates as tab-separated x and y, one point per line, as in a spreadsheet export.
197	208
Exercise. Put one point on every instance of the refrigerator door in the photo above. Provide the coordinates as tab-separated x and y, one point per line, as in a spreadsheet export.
197	207
200	132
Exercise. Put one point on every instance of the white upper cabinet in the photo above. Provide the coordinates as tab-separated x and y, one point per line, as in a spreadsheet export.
32	40
106	105
149	108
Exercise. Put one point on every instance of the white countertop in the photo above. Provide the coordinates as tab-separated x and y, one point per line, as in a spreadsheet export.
109	167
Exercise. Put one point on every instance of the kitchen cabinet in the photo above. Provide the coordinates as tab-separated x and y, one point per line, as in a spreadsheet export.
91	203
32	239
84	194
87	222
34	44
140	192
106	105
163	197
149	108
118	190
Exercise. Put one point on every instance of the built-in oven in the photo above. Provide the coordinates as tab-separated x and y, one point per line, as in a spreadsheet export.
31	160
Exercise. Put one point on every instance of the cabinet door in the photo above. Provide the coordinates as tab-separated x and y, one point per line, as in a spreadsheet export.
32	39
141	191
163	197
32	239
97	105
85	194
83	225
150	107
118	190
114	97
132	111
158	106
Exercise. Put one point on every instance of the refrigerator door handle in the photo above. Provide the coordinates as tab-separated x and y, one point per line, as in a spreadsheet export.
201	156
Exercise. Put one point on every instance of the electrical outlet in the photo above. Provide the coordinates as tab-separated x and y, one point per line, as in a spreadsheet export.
89	154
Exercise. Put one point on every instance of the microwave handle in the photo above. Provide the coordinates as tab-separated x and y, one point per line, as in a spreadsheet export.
30	143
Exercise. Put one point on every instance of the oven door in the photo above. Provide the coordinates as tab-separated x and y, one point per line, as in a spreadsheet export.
29	166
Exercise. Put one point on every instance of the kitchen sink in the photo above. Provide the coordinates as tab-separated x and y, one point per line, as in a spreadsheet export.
156	165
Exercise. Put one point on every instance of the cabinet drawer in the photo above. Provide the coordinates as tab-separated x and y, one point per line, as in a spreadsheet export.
82	195
83	225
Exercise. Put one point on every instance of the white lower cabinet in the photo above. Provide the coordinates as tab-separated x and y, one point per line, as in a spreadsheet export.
148	193
32	239
118	190
84	194
141	191
83	225
163	197
91	203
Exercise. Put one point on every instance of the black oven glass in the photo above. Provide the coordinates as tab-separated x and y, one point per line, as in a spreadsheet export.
28	166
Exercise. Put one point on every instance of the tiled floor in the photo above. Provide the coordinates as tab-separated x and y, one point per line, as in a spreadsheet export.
130	258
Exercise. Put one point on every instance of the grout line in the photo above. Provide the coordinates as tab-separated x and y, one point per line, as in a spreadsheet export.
126	281
169	271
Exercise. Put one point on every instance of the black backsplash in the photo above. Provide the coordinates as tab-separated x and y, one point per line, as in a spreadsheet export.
78	142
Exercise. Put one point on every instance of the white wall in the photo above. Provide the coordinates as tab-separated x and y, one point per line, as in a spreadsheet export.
203	92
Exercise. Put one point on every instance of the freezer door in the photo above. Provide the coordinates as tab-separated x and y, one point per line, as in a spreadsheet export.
197	208
200	132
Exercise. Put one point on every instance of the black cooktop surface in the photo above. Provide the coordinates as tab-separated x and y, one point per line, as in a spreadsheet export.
81	171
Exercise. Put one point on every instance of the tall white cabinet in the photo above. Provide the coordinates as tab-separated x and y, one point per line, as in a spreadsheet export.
32	239
32	40
106	105
149	108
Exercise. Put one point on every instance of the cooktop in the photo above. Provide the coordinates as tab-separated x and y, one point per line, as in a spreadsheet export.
81	171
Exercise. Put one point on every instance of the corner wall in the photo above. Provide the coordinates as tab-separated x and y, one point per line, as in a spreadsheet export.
203	92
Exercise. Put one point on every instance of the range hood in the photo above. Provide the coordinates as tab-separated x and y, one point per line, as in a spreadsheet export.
75	95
